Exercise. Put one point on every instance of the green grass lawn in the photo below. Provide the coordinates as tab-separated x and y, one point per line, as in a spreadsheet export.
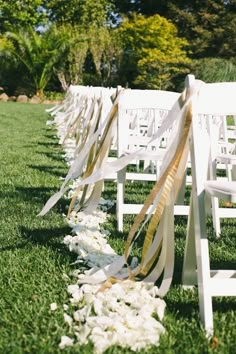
33	259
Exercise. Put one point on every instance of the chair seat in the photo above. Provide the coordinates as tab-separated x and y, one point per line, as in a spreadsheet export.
227	158
221	189
148	154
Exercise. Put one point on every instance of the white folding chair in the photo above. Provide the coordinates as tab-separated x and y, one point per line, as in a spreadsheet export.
140	114
213	99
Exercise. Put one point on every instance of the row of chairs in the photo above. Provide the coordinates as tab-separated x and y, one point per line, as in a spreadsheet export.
140	117
213	150
137	132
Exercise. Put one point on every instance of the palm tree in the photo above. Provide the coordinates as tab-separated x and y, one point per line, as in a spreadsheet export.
39	52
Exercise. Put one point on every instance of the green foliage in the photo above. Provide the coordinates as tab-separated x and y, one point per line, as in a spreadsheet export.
67	51
153	53
89	40
39	53
144	7
52	95
92	55
96	13
21	13
214	69
101	49
79	12
105	47
75	54
77	21
210	26
63	11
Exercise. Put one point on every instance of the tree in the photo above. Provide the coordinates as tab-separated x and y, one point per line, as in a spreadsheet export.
39	53
79	12
89	25
72	66
205	24
105	48
111	59
96	13
63	11
153	53
214	69
144	7
21	14
91	56
209	25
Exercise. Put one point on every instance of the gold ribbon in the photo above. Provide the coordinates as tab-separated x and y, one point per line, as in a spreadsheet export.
162	190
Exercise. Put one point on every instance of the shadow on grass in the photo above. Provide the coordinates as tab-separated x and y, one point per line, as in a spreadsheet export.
37	194
49	237
17	246
44	235
55	156
52	236
189	309
48	169
183	310
50	134
111	224
49	143
41	195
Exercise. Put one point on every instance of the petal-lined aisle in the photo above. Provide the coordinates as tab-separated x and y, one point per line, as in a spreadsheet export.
126	313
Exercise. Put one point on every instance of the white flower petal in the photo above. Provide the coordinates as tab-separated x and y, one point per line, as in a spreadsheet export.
121	315
66	342
53	306
68	319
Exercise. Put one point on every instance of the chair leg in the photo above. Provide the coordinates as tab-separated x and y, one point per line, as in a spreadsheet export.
189	275
233	173
120	198
215	215
204	294
208	205
203	264
229	172
198	225
180	198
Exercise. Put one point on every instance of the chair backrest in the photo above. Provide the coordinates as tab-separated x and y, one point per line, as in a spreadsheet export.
213	105
217	99
140	114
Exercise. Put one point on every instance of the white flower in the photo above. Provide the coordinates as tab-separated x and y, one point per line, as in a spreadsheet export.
67	239
53	306
82	332
76	292
160	308
82	315
66	342
68	319
73	289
